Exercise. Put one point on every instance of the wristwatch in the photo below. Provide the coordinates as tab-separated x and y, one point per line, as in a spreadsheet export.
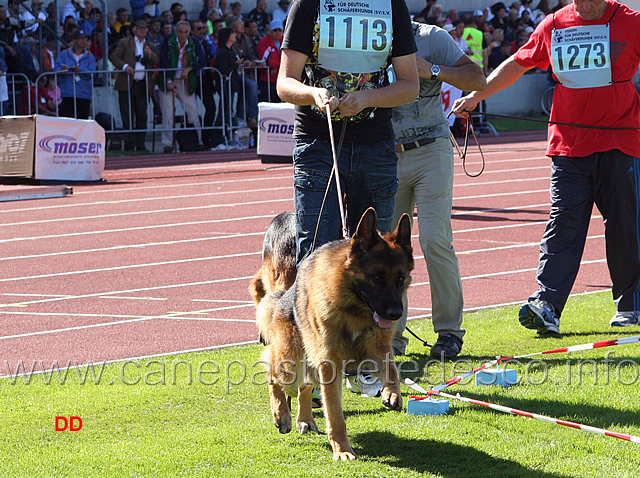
435	71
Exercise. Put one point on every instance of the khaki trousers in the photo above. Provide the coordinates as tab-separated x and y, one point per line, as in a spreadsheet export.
425	180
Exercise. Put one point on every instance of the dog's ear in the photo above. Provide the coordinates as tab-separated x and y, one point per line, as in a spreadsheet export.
366	235
402	234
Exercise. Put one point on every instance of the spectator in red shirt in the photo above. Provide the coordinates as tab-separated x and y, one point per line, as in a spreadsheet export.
268	50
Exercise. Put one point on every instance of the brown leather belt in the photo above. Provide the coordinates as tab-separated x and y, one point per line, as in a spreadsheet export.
401	148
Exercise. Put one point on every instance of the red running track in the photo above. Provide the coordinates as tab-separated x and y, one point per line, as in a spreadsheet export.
157	260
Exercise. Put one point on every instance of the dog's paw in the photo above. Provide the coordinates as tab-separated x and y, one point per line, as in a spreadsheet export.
304	427
283	424
344	456
391	399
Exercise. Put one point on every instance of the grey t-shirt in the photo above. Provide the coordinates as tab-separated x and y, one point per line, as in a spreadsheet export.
424	117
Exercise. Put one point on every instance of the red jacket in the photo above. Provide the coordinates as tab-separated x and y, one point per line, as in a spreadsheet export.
268	51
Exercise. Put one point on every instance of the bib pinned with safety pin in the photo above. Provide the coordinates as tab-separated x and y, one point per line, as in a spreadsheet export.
354	35
581	56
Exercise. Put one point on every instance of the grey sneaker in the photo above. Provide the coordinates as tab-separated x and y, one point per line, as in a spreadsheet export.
624	319
446	347
365	384
540	315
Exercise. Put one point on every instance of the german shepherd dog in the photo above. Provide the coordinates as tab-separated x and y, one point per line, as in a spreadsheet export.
278	270
337	315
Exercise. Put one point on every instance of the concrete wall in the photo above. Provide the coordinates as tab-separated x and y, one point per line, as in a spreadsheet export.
520	99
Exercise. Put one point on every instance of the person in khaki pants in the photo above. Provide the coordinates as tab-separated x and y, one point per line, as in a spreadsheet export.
425	179
131	57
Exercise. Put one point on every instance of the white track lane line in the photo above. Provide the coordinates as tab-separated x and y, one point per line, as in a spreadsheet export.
132	246
506	273
129	291
234	182
170	316
137	228
267	216
137	213
227	205
131	266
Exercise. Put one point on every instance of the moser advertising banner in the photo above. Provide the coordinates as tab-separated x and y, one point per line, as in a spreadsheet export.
68	149
16	145
275	129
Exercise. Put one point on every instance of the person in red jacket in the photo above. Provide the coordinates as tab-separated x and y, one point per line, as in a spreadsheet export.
268	50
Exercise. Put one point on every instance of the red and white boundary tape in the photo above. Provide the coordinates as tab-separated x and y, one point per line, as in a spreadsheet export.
573	348
515	411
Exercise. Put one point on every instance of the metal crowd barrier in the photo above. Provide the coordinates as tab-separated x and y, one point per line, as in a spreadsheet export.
18	89
23	96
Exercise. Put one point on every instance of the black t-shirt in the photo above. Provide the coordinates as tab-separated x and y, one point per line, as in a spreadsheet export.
369	126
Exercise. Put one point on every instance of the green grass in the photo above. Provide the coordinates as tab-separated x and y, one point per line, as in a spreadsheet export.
224	429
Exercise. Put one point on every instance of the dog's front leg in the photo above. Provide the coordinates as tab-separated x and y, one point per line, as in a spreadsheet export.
331	387
391	396
280	408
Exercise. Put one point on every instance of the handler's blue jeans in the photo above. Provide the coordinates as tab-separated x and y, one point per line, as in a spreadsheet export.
367	179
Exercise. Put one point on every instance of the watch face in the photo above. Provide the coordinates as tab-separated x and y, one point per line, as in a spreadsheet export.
435	70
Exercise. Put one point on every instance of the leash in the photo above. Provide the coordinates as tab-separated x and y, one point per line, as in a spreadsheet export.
345	233
463	154
326	191
560	123
424	342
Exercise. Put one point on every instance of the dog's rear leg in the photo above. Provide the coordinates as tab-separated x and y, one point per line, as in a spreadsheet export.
280	404
304	420
331	387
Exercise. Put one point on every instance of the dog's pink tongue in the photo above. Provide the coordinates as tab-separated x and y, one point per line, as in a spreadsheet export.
382	323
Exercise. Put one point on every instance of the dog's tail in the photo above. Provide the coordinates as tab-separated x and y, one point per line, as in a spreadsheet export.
264	315
257	288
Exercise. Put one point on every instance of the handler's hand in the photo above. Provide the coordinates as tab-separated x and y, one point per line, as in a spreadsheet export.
322	99
462	106
352	103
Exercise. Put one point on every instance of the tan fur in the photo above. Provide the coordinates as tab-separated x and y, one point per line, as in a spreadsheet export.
277	272
334	298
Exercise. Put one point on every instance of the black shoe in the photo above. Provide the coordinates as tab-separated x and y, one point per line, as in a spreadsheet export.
446	347
168	149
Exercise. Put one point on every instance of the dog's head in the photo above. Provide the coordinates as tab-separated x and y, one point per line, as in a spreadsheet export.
381	267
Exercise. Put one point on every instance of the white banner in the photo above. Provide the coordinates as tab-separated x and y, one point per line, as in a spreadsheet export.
275	129
449	95
16	146
68	149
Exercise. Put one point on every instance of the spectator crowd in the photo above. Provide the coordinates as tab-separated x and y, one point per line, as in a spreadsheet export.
492	34
244	48
70	44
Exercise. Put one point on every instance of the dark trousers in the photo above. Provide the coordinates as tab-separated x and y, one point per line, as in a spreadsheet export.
611	181
80	108
368	178
133	110
268	92
205	91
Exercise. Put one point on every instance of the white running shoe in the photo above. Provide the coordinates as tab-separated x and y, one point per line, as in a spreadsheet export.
624	319
365	384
